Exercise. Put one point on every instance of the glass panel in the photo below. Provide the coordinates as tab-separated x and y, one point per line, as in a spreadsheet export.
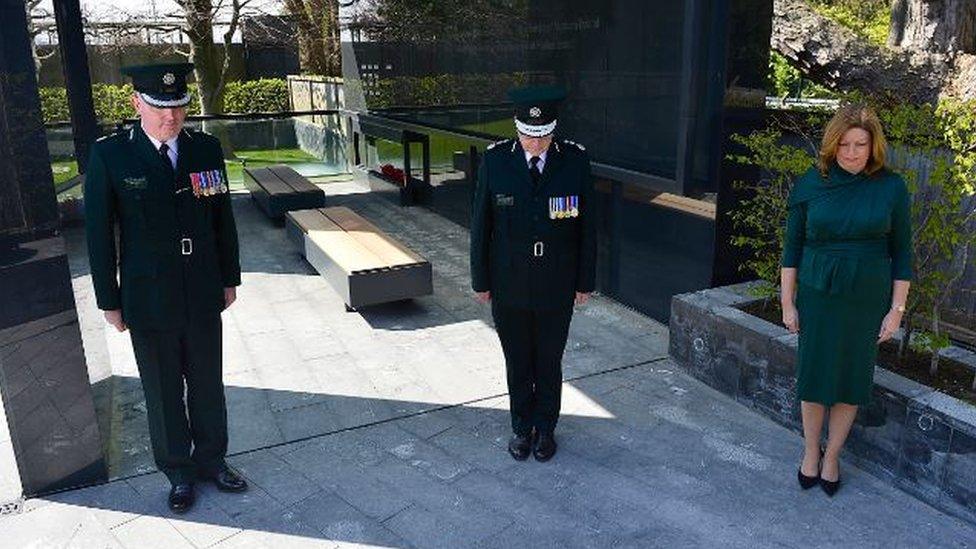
620	60
313	149
64	167
665	248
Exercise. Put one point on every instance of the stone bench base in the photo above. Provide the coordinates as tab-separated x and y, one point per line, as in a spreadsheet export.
362	263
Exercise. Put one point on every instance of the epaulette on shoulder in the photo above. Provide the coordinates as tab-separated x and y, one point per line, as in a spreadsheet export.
114	135
575	144
496	143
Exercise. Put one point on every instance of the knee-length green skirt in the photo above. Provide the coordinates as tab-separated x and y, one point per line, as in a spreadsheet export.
838	346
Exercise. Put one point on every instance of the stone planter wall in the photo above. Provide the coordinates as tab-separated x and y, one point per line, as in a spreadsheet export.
915	437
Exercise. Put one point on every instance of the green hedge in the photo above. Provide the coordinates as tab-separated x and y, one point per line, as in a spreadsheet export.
264	95
112	102
443	89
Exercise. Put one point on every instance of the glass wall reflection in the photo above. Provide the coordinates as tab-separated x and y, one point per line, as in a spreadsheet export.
639	76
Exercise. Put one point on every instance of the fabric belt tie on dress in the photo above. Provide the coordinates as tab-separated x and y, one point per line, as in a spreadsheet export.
832	266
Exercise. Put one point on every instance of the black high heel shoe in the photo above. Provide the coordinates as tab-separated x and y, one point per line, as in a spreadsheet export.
830	487
808	482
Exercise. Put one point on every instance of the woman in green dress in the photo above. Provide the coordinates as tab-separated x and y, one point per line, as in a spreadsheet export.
847	263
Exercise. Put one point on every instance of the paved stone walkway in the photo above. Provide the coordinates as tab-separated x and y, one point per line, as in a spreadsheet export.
387	428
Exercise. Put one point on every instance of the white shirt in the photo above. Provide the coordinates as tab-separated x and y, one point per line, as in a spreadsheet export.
542	160
172	152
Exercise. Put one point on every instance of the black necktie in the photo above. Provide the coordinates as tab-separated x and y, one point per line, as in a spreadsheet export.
164	154
534	168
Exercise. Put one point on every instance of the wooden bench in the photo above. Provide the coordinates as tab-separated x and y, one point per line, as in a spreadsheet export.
278	189
361	262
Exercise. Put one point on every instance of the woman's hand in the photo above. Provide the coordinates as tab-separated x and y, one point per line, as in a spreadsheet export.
890	325
790	318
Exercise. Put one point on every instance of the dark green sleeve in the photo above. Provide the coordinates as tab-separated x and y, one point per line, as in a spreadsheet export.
796	226
100	218
226	232
481	227
586	277
900	237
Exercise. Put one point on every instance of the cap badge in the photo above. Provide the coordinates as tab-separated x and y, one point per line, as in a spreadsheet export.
169	79
535	112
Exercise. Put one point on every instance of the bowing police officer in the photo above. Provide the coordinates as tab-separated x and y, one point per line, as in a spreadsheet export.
170	274
533	255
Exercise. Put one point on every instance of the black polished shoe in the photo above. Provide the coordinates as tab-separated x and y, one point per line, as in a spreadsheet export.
181	497
830	487
520	446
545	447
227	480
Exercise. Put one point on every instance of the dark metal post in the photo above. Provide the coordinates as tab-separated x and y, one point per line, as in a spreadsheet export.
406	198
77	80
691	34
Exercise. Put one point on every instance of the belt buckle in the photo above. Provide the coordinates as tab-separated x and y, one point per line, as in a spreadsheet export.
538	249
186	246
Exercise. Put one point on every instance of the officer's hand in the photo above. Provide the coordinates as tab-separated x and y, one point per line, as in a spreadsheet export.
582	298
483	297
114	317
230	296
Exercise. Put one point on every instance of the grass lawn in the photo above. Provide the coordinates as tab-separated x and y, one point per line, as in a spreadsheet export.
262	158
442	146
64	170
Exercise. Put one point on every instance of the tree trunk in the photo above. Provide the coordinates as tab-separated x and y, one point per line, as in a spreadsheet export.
210	65
207	61
835	56
318	35
937	26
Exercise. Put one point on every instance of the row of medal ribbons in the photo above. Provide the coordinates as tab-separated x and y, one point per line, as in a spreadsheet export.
561	207
208	183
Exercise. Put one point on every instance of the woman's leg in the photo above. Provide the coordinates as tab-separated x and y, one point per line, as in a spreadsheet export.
841	419
812	414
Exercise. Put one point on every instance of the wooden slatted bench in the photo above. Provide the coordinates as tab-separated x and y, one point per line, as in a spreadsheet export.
278	189
361	262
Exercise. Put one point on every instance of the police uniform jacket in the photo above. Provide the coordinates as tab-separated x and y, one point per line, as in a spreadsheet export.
527	247
177	249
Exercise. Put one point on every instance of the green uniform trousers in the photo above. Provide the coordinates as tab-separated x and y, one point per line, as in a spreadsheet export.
533	342
189	436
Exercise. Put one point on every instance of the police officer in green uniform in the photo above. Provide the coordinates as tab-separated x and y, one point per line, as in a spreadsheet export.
173	270
533	255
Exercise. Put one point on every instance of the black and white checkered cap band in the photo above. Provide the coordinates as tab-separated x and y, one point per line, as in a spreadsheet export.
535	131
166	103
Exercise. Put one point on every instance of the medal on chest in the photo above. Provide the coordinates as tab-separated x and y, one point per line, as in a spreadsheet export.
563	207
208	183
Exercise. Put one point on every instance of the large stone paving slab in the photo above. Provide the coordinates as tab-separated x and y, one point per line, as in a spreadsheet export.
387	428
648	458
298	365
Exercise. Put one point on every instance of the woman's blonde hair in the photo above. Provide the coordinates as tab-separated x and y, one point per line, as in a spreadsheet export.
847	117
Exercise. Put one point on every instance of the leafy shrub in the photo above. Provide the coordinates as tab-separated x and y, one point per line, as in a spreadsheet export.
441	89
113	104
264	95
